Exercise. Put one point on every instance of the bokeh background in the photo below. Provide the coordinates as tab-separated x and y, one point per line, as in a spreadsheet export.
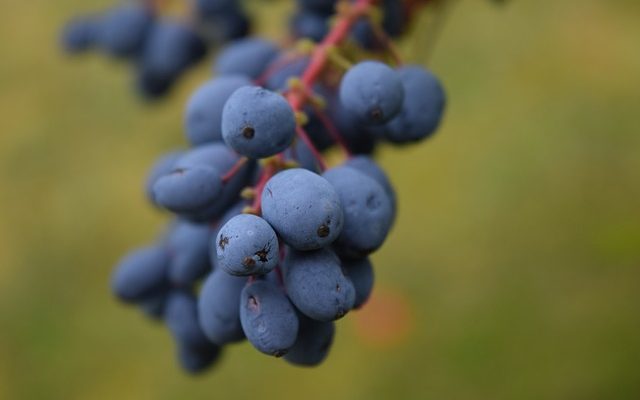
512	272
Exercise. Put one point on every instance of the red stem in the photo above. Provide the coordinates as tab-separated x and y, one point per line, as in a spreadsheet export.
267	172
333	131
234	170
302	134
320	55
386	42
298	98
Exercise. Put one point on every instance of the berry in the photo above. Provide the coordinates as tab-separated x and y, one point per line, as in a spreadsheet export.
360	273
171	48
219	307
195	352
311	25
247	245
80	34
268	318
372	91
245	57
313	342
303	208
422	109
317	285
203	116
368	211
124	30
368	166
163	166
188	246
188	190
257	123
141	274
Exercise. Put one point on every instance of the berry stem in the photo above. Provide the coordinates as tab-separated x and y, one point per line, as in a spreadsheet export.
302	134
320	55
319	59
386	42
267	172
333	130
234	170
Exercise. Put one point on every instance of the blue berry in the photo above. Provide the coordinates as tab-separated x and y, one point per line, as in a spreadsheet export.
281	70
368	211
317	285
195	352
213	155
124	29
311	25
303	208
422	109
188	190
171	48
163	166
203	116
188	245
313	343
368	166
199	359
219	307
359	139
257	123
154	305
246	57
268	319
360	273
301	154
181	316
80	34
372	91
231	212
221	158
247	245
141	274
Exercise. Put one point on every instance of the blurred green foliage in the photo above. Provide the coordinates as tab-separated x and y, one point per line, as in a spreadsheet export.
517	244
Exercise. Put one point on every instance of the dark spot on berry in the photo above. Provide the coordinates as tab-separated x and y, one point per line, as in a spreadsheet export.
279	353
376	114
248	262
270	192
224	240
248	132
252	303
178	171
372	202
341	313
262	254
323	231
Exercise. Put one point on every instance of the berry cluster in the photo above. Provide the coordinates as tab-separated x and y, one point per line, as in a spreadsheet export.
160	48
280	239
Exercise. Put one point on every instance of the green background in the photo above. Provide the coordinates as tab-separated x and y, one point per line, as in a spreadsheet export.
517	245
